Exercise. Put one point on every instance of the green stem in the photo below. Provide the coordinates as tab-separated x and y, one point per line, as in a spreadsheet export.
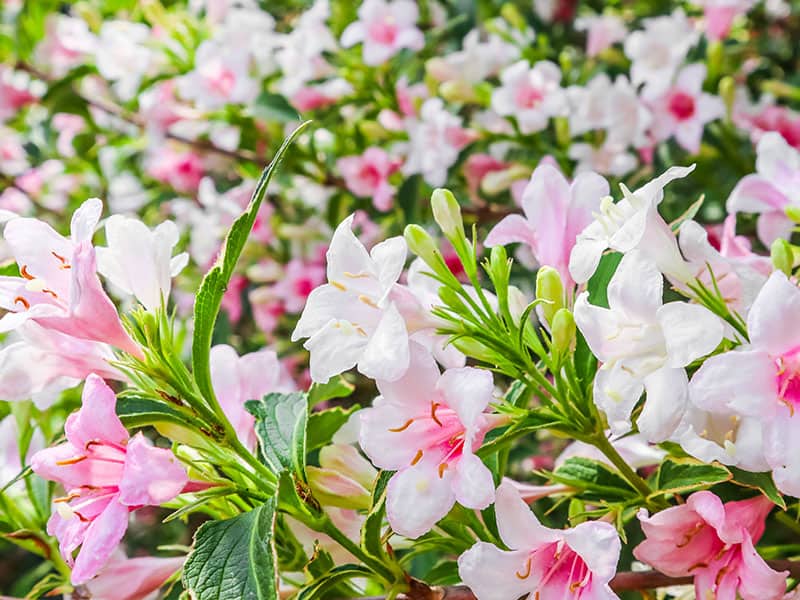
600	441
377	566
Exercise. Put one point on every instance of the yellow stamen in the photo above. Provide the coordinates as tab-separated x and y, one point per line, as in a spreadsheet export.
403	427
417	458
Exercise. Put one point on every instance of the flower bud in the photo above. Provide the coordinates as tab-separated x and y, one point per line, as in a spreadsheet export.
563	330
457	90
447	213
549	289
474	349
562	131
782	256
335	489
517	303
421	243
511	14
495	182
727	91
793	212
345	459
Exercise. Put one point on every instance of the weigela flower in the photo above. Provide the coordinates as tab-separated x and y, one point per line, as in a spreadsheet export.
426	426
385	28
352	320
133	578
770	190
633	222
368	176
106	474
644	345
542	563
714	542
58	287
297	282
530	94
684	109
761	380
602	31
123	56
719	15
344	478
475	62
221	76
555	213
139	260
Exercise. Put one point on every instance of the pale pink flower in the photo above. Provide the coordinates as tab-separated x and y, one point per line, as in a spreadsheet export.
771	189
684	109
385	27
543	563
299	279
65	45
182	169
762	379
635	449
608	159
714	542
59	287
13	158
320	95
555	213
410	97
68	126
352	319
530	94
719	15
426	426
221	76
14	93
160	109
368	176
602	31
237	379
344	477
481	56
49	184
123	55
478	166
267	308
762	118
106	475
137	578
11	463
232	298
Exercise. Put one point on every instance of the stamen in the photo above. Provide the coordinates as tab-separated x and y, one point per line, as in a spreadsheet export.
71	461
21	300
367	300
417	458
527	573
434	406
360	331
403	427
442	469
81	517
51	292
356	275
59	258
338	285
24	272
68	498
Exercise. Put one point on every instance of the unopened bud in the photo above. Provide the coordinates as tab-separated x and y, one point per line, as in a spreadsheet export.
782	256
421	243
727	91
495	182
549	289
562	131
345	459
474	349
457	90
517	303
336	489
447	212
563	330
511	14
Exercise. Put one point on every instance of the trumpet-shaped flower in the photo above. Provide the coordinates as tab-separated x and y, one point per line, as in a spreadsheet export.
58	287
633	222
771	189
139	260
426	426
761	380
543	563
106	475
237	379
385	28
352	320
530	94
133	578
555	213
714	542
644	346
368	175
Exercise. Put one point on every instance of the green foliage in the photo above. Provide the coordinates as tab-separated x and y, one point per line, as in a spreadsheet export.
682	475
598	283
335	387
274	107
281	421
594	480
323	424
235	559
760	481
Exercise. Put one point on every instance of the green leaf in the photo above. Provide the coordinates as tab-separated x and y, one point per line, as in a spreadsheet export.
593	478
140	412
372	529
336	387
676	476
598	283
323	424
281	421
9	269
274	107
688	214
534	420
209	296
318	588
760	481
235	559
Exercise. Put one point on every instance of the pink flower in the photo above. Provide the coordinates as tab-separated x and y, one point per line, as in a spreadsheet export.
59	287
478	166
368	175
545	563
13	94
771	189
719	15
237	379
232	299
426	426
221	76
759	120
183	170
762	379
68	126
106	475
267	308
133	578
65	45
602	31
684	109
555	213
385	28
298	281
530	94
714	542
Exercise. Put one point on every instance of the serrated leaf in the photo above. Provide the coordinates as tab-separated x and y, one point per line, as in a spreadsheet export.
676	476
209	296
281	421
323	424
235	559
760	481
598	283
336	387
593	478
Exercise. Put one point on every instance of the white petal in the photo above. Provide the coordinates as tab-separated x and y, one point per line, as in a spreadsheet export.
417	498
491	573
598	544
690	331
468	391
774	318
335	348
616	393
472	483
417	387
667	396
518	526
386	356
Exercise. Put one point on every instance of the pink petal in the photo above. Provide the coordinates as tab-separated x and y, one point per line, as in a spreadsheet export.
152	475
97	419
774	319
102	538
417	498
511	230
468	391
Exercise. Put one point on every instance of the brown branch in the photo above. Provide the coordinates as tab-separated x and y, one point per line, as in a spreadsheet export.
134	119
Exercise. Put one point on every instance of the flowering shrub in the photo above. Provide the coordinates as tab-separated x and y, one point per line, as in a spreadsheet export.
513	309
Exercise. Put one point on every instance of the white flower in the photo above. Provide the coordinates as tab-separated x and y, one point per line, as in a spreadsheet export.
530	94
123	57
